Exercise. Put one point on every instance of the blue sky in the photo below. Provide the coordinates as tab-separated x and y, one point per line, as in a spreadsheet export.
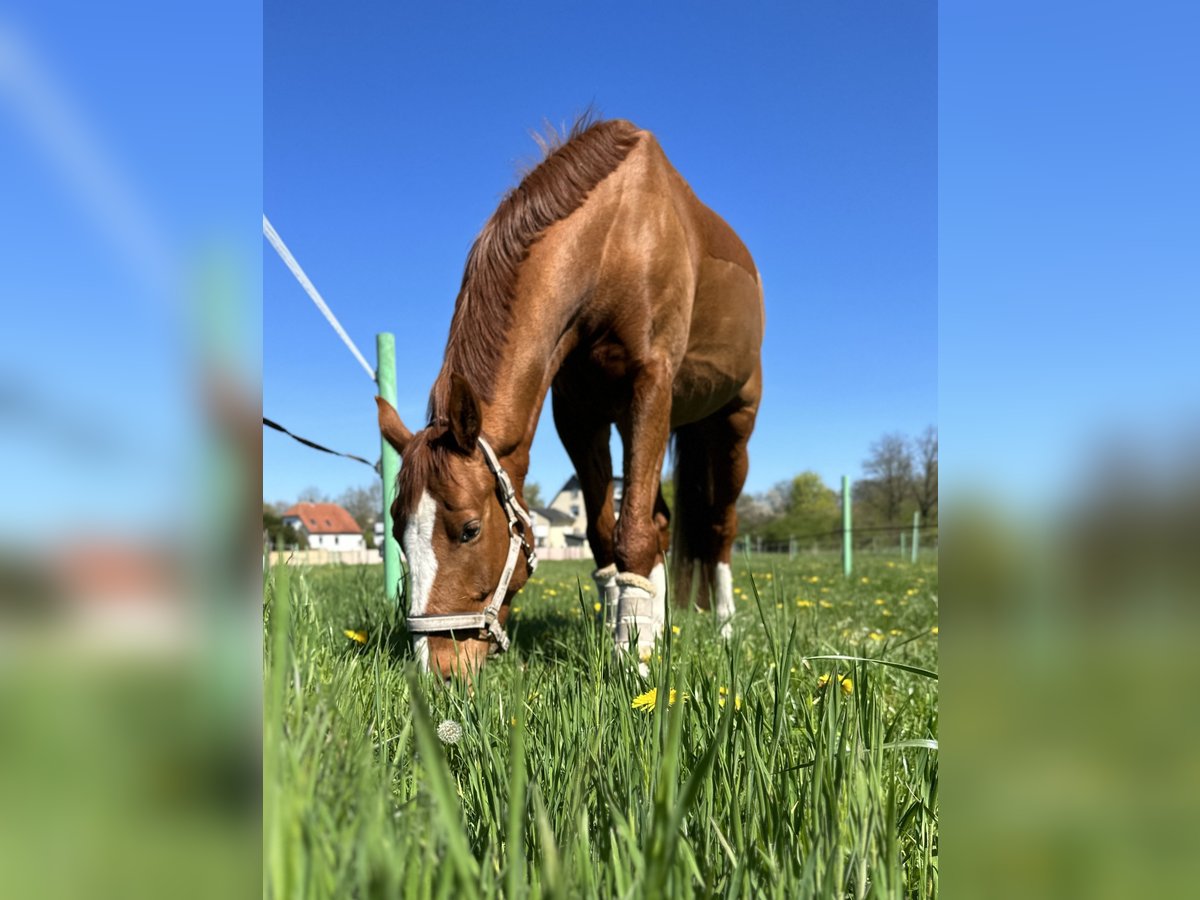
390	134
1054	147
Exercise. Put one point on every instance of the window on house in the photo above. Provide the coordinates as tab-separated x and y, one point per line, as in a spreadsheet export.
575	509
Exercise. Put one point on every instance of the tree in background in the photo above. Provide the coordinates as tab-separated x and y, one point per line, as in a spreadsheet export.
280	536
889	480
533	495
925	480
312	494
365	504
804	508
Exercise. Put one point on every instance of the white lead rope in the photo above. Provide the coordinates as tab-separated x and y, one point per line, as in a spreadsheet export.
290	261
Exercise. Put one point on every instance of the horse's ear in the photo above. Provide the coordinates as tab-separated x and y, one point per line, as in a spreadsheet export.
465	418
391	427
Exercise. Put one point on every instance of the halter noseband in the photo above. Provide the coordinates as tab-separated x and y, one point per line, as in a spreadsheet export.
489	619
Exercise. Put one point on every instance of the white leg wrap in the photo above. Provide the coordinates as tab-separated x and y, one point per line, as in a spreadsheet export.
640	609
723	585
606	586
658	577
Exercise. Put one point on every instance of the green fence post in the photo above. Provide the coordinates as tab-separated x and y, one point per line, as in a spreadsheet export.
916	535
903	546
847	529
385	378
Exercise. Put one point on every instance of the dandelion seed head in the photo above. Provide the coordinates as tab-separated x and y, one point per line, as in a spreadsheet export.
449	732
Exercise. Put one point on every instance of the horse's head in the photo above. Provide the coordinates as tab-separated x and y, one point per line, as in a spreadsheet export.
451	519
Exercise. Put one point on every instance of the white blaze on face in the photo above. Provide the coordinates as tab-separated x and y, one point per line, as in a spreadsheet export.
724	598
422	564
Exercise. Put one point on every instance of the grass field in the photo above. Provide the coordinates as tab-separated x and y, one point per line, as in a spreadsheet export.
766	777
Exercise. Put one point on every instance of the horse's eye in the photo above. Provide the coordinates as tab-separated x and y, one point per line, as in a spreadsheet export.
470	531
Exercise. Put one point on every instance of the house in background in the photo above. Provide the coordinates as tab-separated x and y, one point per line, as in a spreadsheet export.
552	528
327	525
569	500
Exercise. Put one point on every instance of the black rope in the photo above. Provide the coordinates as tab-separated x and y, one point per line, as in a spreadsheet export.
307	443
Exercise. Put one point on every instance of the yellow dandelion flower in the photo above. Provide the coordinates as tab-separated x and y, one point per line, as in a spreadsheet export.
875	636
722	690
516	609
895	632
779	606
825	604
359	637
886	612
864	580
879	601
891	565
933	630
737	702
814	580
597	606
674	629
846	682
804	604
551	593
646	702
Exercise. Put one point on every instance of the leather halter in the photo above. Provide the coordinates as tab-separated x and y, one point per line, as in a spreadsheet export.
489	619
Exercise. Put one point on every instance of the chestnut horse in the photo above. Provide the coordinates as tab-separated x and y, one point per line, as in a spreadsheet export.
602	279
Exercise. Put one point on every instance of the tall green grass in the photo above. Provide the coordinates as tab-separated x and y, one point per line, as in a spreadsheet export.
756	781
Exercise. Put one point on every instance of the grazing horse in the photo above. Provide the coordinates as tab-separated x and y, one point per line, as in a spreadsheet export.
603	280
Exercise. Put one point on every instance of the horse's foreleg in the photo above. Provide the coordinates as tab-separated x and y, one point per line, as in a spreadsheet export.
645	429
585	439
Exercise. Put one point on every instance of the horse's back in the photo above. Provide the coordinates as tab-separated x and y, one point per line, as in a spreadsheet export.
671	281
720	365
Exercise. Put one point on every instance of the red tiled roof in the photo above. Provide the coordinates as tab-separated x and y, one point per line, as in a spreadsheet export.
323	518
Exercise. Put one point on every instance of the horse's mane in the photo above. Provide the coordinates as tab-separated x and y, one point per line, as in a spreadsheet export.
572	166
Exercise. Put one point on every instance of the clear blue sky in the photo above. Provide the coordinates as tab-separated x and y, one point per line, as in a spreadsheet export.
392	130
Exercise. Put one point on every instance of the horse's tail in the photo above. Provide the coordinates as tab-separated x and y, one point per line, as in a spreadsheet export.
691	532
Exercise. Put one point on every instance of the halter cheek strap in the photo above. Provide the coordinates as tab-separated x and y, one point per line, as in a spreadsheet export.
489	619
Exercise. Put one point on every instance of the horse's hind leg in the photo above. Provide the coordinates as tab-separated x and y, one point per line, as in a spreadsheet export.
585	438
710	469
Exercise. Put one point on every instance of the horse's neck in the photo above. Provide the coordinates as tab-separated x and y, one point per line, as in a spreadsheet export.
537	341
531	360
